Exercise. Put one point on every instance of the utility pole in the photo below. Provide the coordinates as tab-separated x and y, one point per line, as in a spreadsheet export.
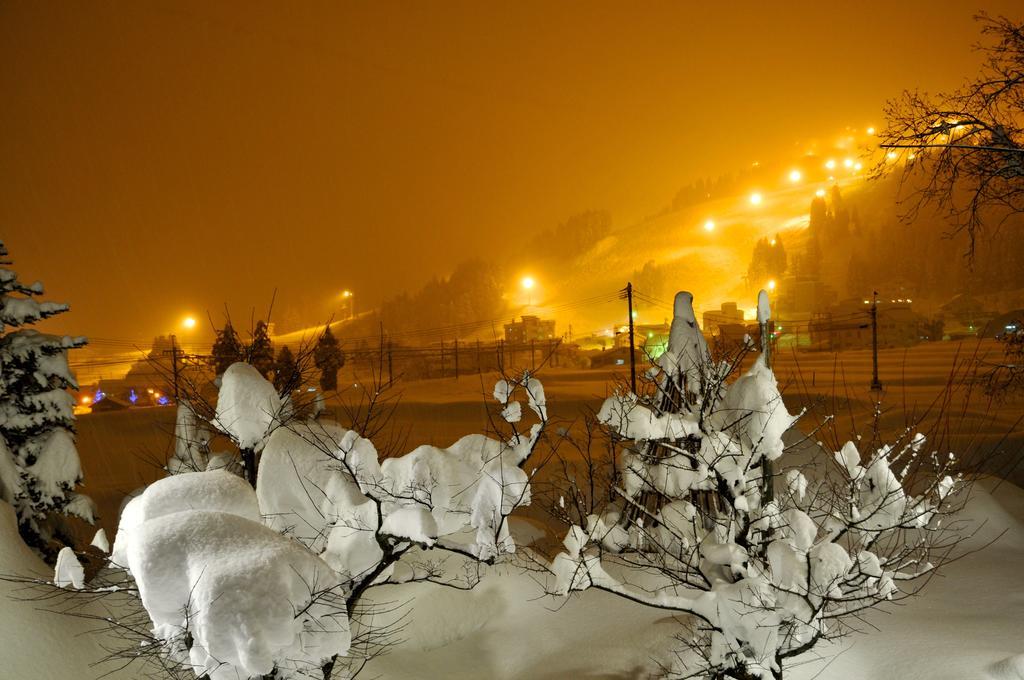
174	365
876	384
632	354
767	327
380	354
456	358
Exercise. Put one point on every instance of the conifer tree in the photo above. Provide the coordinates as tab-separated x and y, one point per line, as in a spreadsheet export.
39	464
286	371
227	349
329	358
261	351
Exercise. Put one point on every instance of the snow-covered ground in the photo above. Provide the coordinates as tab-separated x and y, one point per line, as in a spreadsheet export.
34	642
969	623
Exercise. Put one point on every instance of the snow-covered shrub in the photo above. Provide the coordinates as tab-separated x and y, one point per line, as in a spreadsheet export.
768	561
240	582
39	465
228	596
325	486
191	441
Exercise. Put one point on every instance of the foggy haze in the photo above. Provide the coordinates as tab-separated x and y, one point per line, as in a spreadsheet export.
164	159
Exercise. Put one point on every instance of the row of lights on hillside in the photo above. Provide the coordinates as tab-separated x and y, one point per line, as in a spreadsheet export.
757	198
796	176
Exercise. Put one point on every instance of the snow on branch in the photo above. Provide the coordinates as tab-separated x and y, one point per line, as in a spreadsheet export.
705	522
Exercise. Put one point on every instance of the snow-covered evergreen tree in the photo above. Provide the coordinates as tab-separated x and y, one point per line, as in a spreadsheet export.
39	465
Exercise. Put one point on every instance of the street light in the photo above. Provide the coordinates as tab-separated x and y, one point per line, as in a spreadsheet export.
795	176
709	226
349	299
755	198
528	283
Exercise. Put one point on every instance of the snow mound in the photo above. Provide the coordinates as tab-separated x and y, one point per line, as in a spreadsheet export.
304	491
248	406
218	490
68	571
235	598
474	483
1010	668
38	643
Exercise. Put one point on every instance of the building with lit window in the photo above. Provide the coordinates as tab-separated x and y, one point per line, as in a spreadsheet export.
529	329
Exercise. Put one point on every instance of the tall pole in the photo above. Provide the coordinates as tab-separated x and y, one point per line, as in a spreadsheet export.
391	373
876	384
767	327
632	354
380	355
456	358
174	365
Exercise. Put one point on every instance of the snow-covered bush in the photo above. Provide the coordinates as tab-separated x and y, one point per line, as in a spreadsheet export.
39	465
767	561
228	596
240	582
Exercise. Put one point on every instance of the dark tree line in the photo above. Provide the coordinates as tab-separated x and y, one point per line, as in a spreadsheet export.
284	369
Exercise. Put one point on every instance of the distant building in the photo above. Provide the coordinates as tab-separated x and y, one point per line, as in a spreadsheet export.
798	295
652	338
529	329
728	314
965	315
1009	323
736	334
847	326
108	404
